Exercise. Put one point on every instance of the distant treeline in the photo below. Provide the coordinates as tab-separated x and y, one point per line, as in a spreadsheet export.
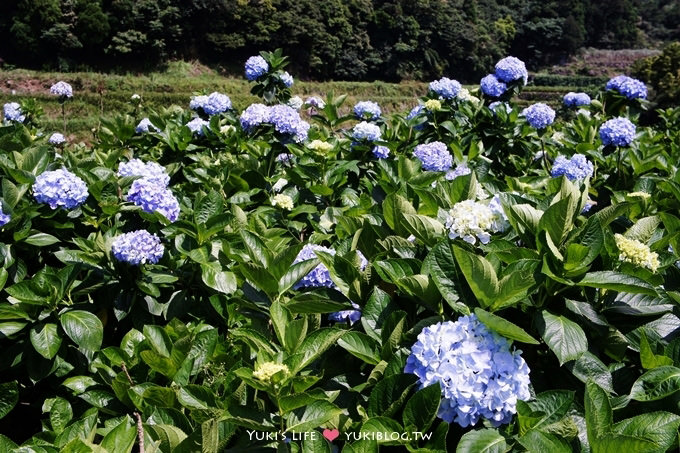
329	39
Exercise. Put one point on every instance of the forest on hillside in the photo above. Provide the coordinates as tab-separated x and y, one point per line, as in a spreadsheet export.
334	39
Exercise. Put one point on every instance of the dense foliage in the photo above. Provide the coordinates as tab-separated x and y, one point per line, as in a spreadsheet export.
662	72
467	276
335	39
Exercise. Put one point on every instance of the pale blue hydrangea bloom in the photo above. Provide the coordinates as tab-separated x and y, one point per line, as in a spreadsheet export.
572	99
315	102
12	112
510	69
256	67
496	104
62	89
460	170
434	156
153	197
137	247
295	102
319	276
618	132
197	102
4	218
588	206
366	131
381	152
500	221
287	79
350	316
627	86
479	376
367	110
212	104
254	115
539	115
287	120
149	170
60	188
446	88
197	124
576	168
415	111
493	87
56	139
144	126
284	157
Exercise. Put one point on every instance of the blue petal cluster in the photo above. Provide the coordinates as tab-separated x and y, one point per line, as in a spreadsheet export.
434	156
628	86
445	88
137	247
62	89
256	67
284	157
152	197
287	120
60	188
539	115
478	374
460	170
144	126
366	131
493	87
510	69
315	102
618	132
367	110
572	99
381	152
287	79
197	124
350	316
149	170
4	218
253	116
415	111
576	168
212	104
56	139
320	275
12	112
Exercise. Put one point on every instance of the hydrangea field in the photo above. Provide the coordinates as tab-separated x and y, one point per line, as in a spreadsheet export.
310	276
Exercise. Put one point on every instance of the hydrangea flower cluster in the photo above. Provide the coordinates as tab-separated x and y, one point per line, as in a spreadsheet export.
315	102
320	146
576	168
350	316
253	116
12	112
588	206
460	170
510	69
539	115
380	152
572	99
367	110
283	201
500	219
286	78
56	139
366	131
212	104
492	87
433	105
4	218
295	102
62	89
153	197
415	111
60	188
149	170
320	275
434	156
478	374
144	126
634	251
137	247
473	221
197	124
618	132
266	371
284	157
287	120
446	88
627	86
496	104
256	67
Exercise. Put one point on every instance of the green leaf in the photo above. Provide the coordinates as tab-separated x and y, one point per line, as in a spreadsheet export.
643	229
441	267
479	274
256	249
41	239
6	443
563	336
60	414
538	442
295	273
45	339
427	229
389	394
312	347
196	397
518	279
382	425
482	441
221	281
9	397
84	328
376	310
313	416
394	207
549	407
362	346
599	417
648	359
312	302
557	220
617	281
122	437
421	409
504	327
661	428
656	384
589	367
158	339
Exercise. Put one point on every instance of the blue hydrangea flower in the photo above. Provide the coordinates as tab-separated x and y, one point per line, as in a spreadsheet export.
12	112
350	316
572	99
56	139
588	206
493	87
367	110
381	152
510	69
197	102
434	156
144	126
320	275
415	111
287	79
149	170
60	188
217	103
253	116
197	124
460	170
137	247
478	374
153	197
366	131
445	88
4	218
576	168
62	89
256	67
287	120
618	132
627	86
315	102
284	157
295	102
539	115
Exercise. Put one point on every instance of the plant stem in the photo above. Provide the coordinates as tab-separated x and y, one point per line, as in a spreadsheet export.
140	425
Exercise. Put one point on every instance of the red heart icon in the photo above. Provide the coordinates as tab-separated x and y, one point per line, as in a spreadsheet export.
331	434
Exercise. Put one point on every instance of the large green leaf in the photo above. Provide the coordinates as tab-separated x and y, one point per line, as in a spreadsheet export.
45	339
121	438
9	397
482	441
312	416
312	347
440	265
421	409
479	274
221	281
564	337
617	281
390	394
656	384
84	328
504	327
539	442
598	411
362	346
